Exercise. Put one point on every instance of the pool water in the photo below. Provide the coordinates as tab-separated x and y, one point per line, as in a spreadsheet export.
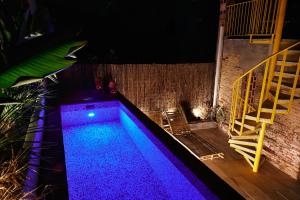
110	154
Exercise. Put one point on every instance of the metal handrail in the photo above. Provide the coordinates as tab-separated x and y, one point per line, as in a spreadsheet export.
267	66
265	60
255	17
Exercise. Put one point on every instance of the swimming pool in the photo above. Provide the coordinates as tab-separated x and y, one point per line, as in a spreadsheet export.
110	154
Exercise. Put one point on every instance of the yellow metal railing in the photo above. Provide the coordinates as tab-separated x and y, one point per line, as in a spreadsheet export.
251	18
242	88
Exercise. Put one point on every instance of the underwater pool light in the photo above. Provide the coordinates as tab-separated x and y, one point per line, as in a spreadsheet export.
91	114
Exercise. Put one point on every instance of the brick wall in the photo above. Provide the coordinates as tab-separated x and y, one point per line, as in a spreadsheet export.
282	142
230	71
282	139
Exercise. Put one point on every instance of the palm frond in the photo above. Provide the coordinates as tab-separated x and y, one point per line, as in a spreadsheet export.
17	128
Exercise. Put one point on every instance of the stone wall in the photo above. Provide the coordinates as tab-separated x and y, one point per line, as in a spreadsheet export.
282	139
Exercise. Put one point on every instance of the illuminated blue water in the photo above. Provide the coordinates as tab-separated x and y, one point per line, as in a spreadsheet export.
111	155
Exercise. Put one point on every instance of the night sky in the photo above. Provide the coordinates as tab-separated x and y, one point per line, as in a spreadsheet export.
142	31
136	31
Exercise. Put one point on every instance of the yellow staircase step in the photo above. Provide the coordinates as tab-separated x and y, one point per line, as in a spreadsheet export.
268	108
246	155
264	117
246	149
289	70
287	63
235	136
247	143
286	85
292	55
290	79
284	43
285	74
282	98
294	52
246	131
249	162
249	124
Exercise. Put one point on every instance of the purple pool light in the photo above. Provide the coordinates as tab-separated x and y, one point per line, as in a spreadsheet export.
112	155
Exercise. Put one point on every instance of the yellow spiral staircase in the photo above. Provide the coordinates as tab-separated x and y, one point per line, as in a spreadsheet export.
258	96
270	87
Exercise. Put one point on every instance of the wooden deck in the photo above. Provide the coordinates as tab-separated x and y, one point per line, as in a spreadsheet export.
268	183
